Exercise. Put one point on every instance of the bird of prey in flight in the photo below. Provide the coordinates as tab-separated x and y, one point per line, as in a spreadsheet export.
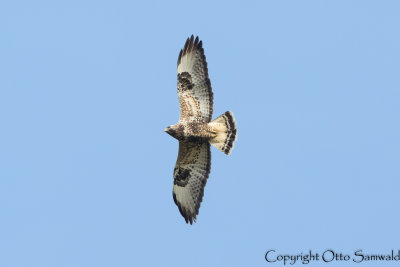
195	130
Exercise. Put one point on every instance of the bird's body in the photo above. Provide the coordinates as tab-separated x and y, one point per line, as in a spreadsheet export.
192	131
195	131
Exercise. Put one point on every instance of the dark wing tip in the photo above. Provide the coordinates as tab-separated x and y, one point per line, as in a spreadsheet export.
188	216
185	48
180	56
196	42
190	45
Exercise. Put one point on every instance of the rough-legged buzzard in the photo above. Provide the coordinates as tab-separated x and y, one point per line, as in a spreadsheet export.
195	131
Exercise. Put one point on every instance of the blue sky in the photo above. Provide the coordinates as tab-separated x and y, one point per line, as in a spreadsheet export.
87	88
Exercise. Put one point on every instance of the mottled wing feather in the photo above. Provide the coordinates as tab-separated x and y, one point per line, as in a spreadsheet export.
194	87
190	177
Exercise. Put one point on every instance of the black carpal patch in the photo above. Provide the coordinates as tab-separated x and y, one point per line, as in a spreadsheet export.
181	177
185	81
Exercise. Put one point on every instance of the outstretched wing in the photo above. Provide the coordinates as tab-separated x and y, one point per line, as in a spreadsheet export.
190	177
194	87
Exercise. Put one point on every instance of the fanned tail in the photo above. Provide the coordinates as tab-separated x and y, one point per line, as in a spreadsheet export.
225	127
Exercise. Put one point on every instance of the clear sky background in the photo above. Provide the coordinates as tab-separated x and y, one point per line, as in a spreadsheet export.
87	88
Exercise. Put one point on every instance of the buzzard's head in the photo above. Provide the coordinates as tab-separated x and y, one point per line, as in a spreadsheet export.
170	131
176	131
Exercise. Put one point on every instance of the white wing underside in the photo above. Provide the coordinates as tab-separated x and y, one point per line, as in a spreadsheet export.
194	87
190	177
